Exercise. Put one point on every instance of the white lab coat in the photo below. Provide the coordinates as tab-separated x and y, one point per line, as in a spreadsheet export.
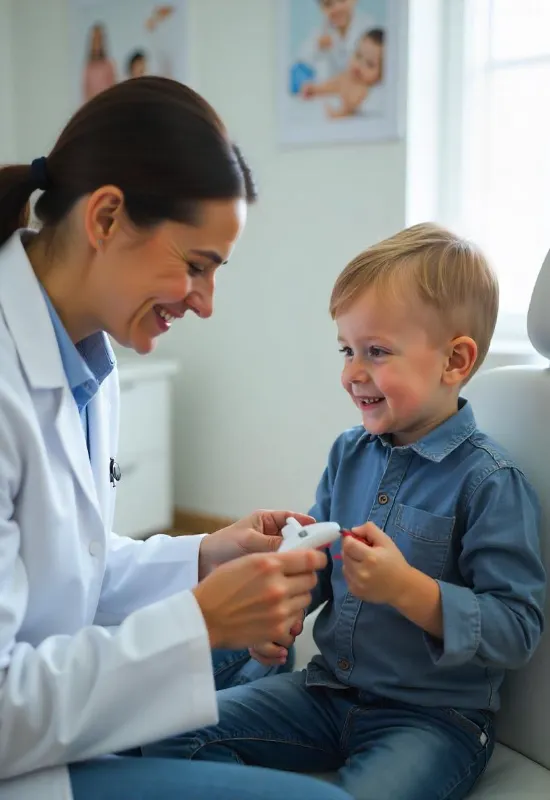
71	689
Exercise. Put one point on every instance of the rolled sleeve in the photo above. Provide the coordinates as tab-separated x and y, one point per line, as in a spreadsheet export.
461	627
493	615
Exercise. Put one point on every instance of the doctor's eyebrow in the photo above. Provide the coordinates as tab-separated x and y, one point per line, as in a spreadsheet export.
210	254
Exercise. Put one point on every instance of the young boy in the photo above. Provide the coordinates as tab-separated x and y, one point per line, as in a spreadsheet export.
444	593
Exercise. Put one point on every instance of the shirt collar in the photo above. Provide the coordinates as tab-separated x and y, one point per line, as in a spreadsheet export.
440	442
87	364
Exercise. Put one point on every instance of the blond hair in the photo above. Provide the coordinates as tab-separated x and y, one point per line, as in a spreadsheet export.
448	273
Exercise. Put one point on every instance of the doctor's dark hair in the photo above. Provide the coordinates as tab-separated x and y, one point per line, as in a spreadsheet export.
155	139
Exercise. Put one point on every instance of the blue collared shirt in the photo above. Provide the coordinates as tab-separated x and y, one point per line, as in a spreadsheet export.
461	511
86	364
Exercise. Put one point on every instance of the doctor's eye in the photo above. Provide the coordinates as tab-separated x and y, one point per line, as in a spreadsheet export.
195	270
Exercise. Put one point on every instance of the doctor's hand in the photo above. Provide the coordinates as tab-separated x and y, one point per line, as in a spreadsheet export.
375	569
258	597
258	533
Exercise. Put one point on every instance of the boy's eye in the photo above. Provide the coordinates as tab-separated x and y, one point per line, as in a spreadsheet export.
346	351
376	352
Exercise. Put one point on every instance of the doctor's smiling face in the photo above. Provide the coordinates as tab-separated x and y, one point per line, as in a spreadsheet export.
142	281
144	197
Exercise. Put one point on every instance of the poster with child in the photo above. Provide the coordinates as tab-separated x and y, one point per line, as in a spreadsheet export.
114	40
341	74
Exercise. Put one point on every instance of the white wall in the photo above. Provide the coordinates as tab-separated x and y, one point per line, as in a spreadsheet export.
7	126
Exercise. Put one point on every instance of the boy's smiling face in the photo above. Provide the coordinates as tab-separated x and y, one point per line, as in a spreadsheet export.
400	370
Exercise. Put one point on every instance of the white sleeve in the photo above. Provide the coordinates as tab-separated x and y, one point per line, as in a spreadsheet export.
73	697
76	697
141	572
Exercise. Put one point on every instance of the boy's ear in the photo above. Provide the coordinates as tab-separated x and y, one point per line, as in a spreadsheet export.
462	355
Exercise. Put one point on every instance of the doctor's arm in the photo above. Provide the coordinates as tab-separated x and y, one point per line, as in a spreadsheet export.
57	702
142	572
71	693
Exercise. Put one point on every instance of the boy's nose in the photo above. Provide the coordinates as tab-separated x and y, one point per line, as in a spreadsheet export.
356	372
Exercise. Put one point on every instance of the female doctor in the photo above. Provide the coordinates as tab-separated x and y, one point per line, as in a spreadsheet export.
104	641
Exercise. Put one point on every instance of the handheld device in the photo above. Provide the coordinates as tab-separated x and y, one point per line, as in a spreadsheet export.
308	537
312	537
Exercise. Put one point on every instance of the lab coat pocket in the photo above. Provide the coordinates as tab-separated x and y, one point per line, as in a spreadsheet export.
423	538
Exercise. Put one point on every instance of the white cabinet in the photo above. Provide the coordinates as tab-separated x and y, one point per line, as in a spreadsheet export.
144	502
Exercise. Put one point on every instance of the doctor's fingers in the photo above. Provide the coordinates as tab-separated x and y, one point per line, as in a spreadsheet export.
295	562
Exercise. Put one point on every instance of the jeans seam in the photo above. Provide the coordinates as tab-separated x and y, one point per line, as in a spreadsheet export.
467	774
346	727
258	738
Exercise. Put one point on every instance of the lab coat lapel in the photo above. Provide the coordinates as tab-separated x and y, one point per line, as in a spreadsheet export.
69	429
29	322
99	412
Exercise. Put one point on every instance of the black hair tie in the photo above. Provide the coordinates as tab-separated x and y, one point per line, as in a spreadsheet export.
39	174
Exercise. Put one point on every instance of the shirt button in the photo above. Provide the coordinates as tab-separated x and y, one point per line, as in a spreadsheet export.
383	498
343	664
95	548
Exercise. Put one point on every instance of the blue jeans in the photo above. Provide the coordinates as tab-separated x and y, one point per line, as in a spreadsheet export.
235	667
383	750
132	776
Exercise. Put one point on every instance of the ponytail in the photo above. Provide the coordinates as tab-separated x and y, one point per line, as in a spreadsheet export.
17	183
159	141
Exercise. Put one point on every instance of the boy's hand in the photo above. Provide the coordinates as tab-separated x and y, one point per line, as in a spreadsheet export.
375	570
271	654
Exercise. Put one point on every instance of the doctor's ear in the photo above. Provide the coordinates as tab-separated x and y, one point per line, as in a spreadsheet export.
102	215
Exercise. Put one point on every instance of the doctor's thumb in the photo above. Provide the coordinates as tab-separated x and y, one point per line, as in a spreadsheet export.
262	543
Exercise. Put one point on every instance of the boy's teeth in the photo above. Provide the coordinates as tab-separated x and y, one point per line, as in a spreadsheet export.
368	401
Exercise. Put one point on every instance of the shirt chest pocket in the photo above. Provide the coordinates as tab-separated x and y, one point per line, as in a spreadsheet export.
423	538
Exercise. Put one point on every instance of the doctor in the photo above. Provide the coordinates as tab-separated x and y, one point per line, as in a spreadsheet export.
105	642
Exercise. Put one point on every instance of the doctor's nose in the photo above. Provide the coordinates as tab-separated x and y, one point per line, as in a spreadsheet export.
201	302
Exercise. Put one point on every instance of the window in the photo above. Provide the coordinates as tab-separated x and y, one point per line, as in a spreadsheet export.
496	181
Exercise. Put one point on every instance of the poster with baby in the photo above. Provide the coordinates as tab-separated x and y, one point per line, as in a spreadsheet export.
342	70
114	40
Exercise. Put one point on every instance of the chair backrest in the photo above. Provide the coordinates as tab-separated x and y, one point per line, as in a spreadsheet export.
512	404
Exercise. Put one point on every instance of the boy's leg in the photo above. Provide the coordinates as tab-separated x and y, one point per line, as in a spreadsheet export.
235	667
275	722
117	778
409	753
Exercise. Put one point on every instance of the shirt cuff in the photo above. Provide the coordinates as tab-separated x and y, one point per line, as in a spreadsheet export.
461	627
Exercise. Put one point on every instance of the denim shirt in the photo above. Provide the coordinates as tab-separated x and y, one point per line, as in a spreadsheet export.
463	513
86	365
